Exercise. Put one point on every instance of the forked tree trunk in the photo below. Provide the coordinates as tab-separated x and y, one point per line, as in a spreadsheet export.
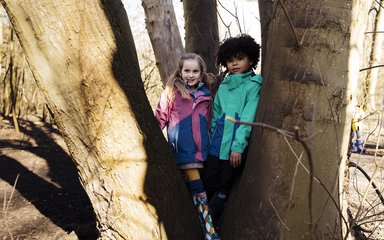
310	72
83	58
164	35
201	30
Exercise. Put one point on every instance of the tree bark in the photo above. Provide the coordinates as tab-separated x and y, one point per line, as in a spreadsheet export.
371	86
164	35
291	187
265	12
201	30
84	61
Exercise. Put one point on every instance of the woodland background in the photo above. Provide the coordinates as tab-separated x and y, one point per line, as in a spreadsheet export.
40	175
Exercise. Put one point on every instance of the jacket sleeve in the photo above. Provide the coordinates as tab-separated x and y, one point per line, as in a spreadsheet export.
248	115
216	111
163	110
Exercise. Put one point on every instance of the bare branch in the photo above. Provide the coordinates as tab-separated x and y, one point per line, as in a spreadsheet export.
374	32
290	22
368	68
278	216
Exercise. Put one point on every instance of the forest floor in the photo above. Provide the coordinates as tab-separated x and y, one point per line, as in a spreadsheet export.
42	198
40	193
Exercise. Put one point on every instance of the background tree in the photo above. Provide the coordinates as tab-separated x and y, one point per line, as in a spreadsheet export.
83	58
371	88
201	30
164	35
292	178
265	9
17	98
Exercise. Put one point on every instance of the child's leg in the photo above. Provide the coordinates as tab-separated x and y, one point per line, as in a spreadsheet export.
210	175
353	142
359	141
353	146
359	144
200	200
219	198
228	176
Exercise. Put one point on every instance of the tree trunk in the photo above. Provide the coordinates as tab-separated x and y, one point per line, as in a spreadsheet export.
201	30
290	188
84	61
371	85
265	12
164	35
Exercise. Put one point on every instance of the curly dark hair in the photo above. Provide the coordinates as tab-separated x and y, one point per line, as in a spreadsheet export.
235	46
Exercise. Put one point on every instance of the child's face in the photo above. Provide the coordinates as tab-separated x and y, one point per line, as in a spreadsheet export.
238	64
191	72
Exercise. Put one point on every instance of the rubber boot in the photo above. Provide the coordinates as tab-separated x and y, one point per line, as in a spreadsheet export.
216	207
353	146
200	200
359	145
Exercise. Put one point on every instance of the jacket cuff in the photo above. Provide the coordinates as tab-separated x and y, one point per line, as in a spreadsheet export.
237	148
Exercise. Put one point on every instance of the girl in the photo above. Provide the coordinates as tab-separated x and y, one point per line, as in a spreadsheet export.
184	108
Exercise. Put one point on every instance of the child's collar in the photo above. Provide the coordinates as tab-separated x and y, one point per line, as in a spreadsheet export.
245	74
234	80
198	86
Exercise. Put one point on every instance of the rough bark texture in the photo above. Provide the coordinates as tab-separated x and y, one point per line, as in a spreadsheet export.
201	30
83	58
164	35
310	71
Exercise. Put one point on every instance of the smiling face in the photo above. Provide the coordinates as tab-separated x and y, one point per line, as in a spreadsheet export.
239	64
191	72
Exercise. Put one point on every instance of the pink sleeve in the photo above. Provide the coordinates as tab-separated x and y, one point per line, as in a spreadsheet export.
162	110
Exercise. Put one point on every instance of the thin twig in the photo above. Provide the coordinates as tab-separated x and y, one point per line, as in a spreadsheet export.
320	182
13	191
290	22
379	3
278	216
226	9
263	125
310	163
368	68
222	21
374	32
6	206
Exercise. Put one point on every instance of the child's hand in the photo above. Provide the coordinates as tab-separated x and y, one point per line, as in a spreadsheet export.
235	159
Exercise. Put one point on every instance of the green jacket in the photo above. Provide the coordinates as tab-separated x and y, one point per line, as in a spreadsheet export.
237	97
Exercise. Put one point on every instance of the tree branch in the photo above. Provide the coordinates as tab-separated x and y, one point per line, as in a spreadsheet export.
368	68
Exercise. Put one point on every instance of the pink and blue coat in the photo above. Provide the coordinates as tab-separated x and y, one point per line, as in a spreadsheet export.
187	122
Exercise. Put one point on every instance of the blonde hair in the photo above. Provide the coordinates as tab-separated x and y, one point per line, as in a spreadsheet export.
175	83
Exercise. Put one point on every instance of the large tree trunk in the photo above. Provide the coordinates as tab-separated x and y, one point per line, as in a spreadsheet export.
164	35
310	73
83	58
201	30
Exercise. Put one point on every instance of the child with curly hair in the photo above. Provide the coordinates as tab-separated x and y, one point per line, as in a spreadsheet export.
237	97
